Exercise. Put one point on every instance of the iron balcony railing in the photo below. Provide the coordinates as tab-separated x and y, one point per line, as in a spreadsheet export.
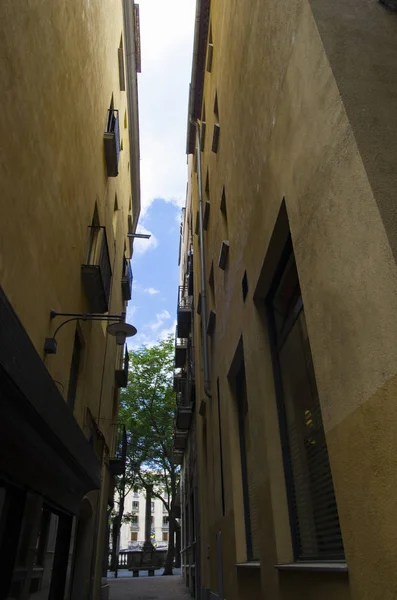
126	280
118	460
184	393
184	312
121	374
111	138
134	526
97	271
185	301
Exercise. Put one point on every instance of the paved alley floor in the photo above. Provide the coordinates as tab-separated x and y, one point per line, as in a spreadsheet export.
148	588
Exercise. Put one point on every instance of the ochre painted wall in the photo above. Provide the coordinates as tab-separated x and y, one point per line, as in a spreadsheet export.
290	128
58	74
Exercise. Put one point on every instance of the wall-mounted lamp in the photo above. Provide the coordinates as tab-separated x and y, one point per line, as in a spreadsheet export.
143	236
119	329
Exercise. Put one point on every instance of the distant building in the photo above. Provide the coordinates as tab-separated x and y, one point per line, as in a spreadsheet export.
132	534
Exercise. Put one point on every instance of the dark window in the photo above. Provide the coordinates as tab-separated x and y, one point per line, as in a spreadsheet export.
74	371
135	505
134	520
250	507
244	285
313	510
220	448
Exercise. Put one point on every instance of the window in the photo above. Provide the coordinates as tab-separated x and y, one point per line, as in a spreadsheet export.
135	505
152	506
313	511
165	521
134	536
244	285
74	370
250	507
165	536
152	521
121	65
134	520
164	508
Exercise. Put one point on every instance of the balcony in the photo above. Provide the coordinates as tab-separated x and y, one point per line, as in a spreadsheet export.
180	439
180	351
184	313
111	139
121	374
184	404
126	280
97	272
117	461
178	457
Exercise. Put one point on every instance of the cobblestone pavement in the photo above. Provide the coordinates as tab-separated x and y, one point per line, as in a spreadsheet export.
148	588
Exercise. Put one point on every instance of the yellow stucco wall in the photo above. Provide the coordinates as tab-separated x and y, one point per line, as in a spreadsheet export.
58	74
59	70
289	128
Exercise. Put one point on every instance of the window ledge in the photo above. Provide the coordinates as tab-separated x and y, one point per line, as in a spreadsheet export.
253	564
335	567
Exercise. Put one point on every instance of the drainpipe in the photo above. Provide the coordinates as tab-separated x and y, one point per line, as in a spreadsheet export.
207	384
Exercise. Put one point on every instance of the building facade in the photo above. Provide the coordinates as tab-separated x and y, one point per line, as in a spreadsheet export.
132	534
69	196
288	303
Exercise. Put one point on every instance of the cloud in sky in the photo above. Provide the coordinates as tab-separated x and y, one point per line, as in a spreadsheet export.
151	291
160	318
167	43
141	245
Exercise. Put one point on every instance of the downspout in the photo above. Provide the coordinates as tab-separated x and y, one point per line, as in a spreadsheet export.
207	383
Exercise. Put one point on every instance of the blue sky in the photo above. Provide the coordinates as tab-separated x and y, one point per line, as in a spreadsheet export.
166	30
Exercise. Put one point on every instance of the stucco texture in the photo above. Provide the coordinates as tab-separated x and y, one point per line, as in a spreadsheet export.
293	126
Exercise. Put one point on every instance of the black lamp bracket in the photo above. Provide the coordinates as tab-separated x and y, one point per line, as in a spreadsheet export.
50	344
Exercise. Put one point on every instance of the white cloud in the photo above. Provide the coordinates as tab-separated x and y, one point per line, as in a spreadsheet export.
151	291
160	318
167	44
141	245
149	340
164	333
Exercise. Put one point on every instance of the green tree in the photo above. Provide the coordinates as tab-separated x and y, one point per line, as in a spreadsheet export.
147	408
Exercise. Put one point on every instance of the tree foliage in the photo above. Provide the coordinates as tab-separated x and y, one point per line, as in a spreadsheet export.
147	409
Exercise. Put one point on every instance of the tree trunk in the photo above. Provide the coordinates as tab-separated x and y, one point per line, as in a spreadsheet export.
171	547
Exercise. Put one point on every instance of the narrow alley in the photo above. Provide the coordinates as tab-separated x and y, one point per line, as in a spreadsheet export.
148	588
